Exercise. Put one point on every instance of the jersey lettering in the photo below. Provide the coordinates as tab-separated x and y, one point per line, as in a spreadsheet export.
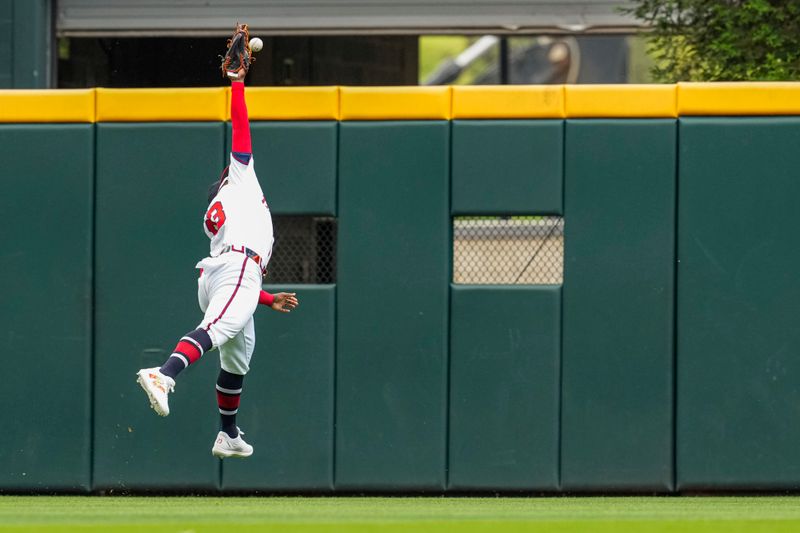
215	218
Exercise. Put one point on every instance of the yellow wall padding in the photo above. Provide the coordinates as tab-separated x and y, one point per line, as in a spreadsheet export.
621	101
508	101
296	103
403	103
394	103
160	105
739	98
63	105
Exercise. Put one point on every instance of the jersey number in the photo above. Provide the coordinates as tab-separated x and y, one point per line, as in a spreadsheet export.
215	218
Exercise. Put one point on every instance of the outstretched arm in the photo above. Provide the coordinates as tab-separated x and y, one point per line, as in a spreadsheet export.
240	145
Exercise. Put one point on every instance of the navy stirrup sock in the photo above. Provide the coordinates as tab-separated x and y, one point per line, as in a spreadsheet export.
229	389
190	348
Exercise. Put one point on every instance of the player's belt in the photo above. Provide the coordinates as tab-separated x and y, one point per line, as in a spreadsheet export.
247	251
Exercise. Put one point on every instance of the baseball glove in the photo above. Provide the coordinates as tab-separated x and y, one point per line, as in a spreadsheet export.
239	56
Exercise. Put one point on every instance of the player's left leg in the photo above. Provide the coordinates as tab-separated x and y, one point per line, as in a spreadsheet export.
234	357
194	344
158	382
230	296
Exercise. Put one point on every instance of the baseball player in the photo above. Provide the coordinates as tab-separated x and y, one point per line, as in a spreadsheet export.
239	224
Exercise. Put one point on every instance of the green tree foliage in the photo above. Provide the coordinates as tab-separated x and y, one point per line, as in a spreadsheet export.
722	40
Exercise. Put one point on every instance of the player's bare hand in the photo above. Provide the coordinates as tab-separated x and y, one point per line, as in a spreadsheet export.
285	302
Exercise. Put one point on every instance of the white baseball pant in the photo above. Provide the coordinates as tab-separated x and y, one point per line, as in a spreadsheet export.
227	291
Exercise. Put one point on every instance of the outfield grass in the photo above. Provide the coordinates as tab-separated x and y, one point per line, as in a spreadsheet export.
501	515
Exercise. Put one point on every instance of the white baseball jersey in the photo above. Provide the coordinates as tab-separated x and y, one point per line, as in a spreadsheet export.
239	215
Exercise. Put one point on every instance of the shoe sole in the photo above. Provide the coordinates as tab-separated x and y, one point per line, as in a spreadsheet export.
225	455
153	402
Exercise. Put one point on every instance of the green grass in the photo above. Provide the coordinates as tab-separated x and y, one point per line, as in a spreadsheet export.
500	515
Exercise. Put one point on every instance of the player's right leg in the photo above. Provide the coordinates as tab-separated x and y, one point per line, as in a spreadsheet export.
234	358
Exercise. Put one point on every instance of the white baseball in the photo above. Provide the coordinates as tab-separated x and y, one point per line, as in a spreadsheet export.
256	44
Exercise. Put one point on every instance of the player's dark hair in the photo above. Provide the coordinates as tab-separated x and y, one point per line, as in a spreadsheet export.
214	188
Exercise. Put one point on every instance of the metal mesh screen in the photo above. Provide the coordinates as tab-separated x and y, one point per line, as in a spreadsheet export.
304	250
508	250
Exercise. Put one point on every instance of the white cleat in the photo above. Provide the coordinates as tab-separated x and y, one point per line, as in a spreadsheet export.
225	446
157	386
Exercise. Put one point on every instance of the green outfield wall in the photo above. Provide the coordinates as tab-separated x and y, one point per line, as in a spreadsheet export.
47	286
668	360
